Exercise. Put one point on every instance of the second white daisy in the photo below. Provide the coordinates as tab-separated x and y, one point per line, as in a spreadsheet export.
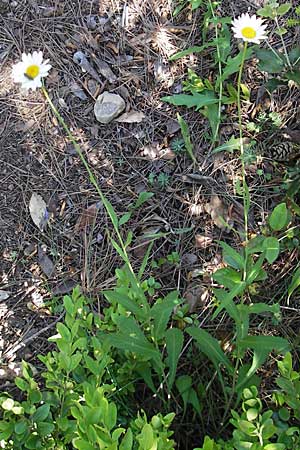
30	71
249	28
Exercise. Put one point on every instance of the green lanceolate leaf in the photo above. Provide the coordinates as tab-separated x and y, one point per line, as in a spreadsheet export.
261	346
228	277
186	137
295	283
210	347
129	304
229	146
226	300
188	394
271	248
161	313
174	343
188	51
131	338
192	101
231	256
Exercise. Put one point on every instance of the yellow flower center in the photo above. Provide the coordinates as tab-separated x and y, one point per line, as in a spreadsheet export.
32	71
248	32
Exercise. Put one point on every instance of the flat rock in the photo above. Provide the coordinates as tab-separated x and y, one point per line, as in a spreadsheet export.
108	107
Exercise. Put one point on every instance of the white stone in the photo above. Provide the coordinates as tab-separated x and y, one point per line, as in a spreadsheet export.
108	106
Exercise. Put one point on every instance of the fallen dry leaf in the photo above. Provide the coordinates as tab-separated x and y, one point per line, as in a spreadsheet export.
38	211
189	259
218	211
87	217
172	126
154	151
131	117
105	70
4	295
64	287
78	91
195	296
45	263
202	241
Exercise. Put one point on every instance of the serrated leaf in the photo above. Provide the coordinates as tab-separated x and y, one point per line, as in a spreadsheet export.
267	11
229	146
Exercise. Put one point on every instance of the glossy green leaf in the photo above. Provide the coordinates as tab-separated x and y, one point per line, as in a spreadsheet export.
41	413
127	441
146	438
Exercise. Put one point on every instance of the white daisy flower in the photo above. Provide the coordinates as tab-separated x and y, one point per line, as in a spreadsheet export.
30	71
249	28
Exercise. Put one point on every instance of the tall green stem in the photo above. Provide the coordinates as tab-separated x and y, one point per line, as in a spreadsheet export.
246	199
91	176
283	45
220	74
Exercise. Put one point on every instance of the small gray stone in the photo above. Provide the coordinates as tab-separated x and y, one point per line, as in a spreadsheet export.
108	107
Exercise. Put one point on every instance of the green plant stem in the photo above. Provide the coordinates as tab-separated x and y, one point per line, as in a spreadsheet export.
91	176
245	186
283	45
220	74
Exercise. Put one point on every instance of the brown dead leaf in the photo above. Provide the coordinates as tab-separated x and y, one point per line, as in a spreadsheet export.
104	69
218	211
188	259
172	126
88	217
202	241
131	117
25	126
195	296
45	263
64	287
154	152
